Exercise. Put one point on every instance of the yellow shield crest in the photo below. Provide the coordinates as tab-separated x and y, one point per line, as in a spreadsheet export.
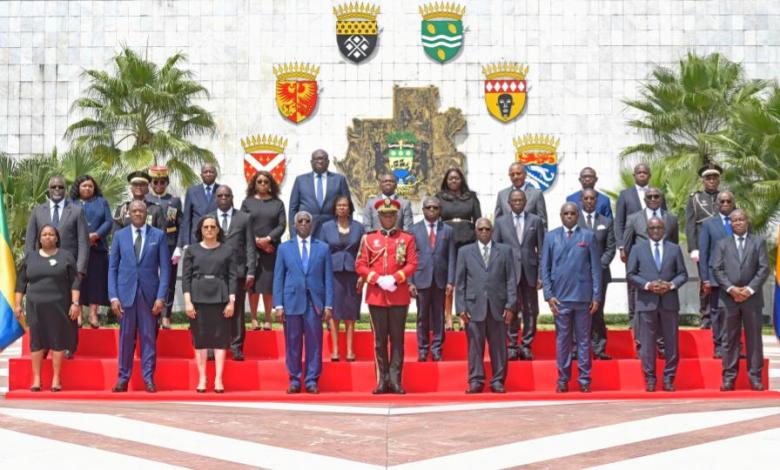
505	90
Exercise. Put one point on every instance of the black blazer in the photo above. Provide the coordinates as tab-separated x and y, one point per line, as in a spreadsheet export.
605	239
641	269
435	265
241	240
478	287
636	229
751	272
73	229
628	202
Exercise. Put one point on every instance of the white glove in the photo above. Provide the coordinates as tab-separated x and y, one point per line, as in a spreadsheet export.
176	256
386	282
695	256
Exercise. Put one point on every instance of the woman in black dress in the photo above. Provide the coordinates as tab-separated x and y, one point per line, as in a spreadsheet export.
50	281
94	287
269	221
460	209
343	235
209	286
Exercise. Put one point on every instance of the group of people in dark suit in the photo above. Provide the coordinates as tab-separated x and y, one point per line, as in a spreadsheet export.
491	271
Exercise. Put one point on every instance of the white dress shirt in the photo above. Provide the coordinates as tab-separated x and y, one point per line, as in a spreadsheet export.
61	205
229	217
640	191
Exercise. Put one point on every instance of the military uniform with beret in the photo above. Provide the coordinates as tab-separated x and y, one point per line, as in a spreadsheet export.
154	216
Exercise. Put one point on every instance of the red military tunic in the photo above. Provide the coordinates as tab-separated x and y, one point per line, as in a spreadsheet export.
382	254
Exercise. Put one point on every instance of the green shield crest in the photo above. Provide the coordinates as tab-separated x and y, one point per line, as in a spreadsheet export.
442	39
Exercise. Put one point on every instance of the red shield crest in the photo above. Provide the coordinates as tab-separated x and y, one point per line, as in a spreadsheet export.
296	90
264	153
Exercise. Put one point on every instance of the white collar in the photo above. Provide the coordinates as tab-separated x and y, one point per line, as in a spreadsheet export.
142	228
520	215
482	246
229	212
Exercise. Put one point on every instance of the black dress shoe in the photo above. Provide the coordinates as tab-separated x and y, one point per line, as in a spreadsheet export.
727	386
474	388
56	388
705	325
313	389
757	386
397	389
238	355
512	355
150	388
650	387
669	387
219	390
562	388
120	387
293	389
603	356
200	390
497	388
380	389
585	388
35	389
526	354
436	357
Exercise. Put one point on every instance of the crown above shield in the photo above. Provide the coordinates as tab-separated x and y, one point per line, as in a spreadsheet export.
505	69
356	11
442	10
536	142
296	70
267	143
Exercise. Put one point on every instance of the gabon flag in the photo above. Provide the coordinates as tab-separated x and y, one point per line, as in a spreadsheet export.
10	329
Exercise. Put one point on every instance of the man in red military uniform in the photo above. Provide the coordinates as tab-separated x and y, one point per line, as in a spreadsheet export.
386	260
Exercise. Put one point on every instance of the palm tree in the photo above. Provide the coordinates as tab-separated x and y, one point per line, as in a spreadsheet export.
679	108
142	115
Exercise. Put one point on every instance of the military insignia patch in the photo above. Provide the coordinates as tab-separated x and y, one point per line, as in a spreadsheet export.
356	30
539	154
442	30
505	89
296	90
264	152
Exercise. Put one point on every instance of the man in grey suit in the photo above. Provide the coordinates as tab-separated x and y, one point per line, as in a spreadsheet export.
741	267
534	199
524	233
388	182
657	269
67	218
434	278
237	227
485	298
601	226
711	232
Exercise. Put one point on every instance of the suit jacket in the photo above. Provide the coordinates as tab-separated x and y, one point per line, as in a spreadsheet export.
711	232
342	256
641	269
296	290
571	267
434	265
534	203
73	229
195	206
525	256
628	202
603	204
636	229
240	238
751	272
605	239
479	287
403	222
128	277
304	198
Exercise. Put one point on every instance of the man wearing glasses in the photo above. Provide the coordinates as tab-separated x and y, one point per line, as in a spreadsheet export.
434	277
171	208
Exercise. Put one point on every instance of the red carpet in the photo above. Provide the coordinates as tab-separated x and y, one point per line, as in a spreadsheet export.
92	373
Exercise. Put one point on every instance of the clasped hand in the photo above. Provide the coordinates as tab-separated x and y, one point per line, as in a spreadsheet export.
387	283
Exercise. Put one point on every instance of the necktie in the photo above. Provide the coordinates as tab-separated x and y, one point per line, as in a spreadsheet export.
55	217
569	233
208	193
485	255
519	228
224	222
590	221
432	236
657	256
741	248
304	256
320	191
727	225
655	213
137	244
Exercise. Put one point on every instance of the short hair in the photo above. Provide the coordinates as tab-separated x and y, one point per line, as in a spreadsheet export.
349	201
517	191
136	202
589	190
74	189
429	199
40	231
273	185
299	214
464	186
199	230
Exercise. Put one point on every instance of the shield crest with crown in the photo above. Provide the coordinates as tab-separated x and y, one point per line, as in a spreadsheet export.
539	154
296	90
264	153
505	89
442	30
356	30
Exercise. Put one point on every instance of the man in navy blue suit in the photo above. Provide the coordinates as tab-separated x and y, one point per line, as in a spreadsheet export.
199	201
138	273
434	277
588	180
316	192
711	232
303	291
656	268
571	280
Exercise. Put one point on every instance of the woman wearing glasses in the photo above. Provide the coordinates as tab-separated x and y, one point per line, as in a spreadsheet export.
267	211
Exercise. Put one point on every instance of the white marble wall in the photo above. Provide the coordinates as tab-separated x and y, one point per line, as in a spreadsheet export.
584	56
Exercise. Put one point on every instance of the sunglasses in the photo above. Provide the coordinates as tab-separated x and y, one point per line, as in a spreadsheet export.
431	208
159	182
484	229
726	201
263	182
56	187
224	196
653	196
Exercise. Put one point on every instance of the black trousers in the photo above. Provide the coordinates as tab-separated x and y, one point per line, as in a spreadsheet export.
237	326
528	313
430	317
750	319
494	331
388	323
171	292
598	327
717	319
655	324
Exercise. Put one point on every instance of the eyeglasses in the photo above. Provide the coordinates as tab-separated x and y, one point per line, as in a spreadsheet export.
224	196
484	229
57	187
159	182
209	227
726	201
263	182
431	208
653	196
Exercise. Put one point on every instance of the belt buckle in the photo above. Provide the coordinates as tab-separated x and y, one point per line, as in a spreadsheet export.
209	276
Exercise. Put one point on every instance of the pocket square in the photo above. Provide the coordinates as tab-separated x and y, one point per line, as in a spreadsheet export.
582	244
601	227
